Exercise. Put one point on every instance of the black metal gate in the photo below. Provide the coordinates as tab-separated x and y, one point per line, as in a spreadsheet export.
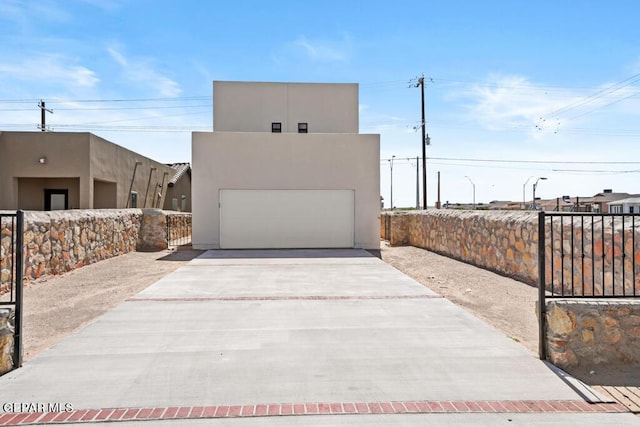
586	255
11	281
178	230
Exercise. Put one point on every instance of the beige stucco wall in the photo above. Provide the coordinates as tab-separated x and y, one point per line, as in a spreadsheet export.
113	163
253	106
248	160
180	188
79	159
31	191
67	157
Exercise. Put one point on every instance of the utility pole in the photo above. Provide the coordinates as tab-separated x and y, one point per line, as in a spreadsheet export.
424	148
43	113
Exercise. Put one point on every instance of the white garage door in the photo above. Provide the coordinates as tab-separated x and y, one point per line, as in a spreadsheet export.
252	219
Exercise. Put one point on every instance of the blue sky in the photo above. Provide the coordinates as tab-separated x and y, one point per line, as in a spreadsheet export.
516	81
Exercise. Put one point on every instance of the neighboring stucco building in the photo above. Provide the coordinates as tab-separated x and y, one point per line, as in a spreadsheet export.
178	197
76	170
285	168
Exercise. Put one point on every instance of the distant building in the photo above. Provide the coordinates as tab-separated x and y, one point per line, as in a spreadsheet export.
629	205
601	202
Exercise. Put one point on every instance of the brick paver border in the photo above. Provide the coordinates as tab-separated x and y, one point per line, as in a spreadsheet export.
299	409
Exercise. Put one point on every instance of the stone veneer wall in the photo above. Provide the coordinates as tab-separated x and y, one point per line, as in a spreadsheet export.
579	331
59	241
593	332
502	241
6	342
153	231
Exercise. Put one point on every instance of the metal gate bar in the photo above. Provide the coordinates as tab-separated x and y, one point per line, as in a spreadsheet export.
14	222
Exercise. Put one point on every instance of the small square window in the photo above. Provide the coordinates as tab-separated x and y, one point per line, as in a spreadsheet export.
303	127
276	127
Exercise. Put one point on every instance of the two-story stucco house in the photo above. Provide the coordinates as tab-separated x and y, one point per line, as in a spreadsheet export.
285	167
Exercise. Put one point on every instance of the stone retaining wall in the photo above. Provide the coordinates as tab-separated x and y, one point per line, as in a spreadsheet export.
59	241
6	342
507	242
590	333
502	241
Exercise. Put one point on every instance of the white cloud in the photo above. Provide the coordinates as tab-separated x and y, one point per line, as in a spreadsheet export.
515	103
117	56
324	51
24	12
142	72
54	69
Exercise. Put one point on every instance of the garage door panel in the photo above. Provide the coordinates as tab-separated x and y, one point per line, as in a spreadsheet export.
286	219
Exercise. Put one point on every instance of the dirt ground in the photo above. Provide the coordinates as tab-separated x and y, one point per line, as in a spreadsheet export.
57	306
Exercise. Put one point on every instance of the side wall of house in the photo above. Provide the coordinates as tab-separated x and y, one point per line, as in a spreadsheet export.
253	160
111	163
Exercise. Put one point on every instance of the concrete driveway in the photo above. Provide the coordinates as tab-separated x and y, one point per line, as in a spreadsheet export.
304	337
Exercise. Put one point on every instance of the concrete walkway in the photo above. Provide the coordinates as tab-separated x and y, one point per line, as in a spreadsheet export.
307	337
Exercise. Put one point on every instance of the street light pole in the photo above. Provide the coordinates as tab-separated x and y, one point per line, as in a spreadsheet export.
535	185
524	186
391	164
474	192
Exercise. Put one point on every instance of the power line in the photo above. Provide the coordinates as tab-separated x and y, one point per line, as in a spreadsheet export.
529	161
62	101
114	108
596	96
